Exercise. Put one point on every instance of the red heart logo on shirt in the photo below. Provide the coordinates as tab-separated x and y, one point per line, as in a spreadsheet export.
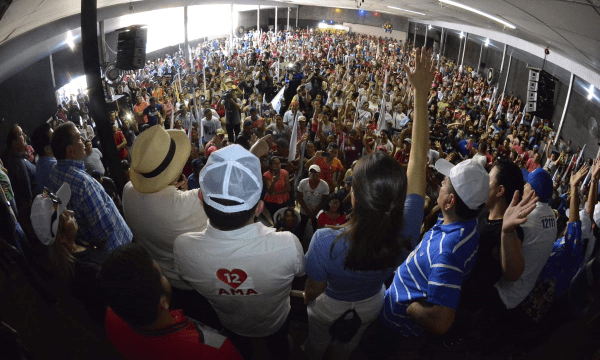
233	278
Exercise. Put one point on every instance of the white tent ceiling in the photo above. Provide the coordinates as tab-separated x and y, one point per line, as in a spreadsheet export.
568	27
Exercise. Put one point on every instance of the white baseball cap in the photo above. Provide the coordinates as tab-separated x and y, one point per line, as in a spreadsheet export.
315	167
232	173
45	213
469	179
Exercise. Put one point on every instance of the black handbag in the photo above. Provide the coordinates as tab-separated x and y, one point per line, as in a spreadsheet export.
346	326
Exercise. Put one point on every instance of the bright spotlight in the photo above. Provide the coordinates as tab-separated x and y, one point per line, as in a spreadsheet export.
70	40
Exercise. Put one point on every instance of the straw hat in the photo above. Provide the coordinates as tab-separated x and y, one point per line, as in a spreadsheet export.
157	158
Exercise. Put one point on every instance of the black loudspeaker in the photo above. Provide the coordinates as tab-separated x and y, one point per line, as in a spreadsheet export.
131	48
540	94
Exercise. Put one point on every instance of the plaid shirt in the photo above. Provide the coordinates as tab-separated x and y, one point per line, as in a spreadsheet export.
95	212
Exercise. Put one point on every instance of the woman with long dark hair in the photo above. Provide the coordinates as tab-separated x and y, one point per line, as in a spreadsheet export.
347	266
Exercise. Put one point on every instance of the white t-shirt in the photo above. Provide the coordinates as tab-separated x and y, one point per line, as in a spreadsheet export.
210	128
245	274
482	159
539	235
156	219
312	197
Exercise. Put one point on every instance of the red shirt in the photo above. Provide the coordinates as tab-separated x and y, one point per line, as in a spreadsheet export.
119	137
402	156
184	339
324	219
327	171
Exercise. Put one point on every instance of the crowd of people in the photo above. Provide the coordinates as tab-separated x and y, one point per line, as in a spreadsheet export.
411	198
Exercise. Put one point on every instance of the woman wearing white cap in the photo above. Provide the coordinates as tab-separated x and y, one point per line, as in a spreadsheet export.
76	265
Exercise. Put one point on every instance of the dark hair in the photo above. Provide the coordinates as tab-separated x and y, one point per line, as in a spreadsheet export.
131	285
333	196
483	146
379	184
11	137
561	226
461	209
510	176
227	221
62	138
282	143
40	138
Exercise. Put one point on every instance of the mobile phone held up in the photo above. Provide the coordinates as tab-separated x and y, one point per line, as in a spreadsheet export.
325	154
275	172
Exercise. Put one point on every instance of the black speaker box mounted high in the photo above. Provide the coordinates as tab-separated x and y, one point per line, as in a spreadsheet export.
540	94
131	47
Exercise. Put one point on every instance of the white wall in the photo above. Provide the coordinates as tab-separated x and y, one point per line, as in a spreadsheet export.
376	31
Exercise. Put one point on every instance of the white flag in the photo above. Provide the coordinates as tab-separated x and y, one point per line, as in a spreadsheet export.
275	103
294	138
382	125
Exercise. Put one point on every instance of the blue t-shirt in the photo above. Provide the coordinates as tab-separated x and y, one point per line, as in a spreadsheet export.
434	271
193	182
322	264
152	112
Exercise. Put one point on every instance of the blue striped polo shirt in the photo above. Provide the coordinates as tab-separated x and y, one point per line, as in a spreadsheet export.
434	271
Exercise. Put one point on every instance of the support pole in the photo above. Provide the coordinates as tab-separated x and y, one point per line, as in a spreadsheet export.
185	34
288	20
503	57
98	109
102	45
52	72
276	19
459	50
297	16
442	42
507	73
479	62
231	27
462	59
426	32
445	41
258	18
415	37
565	108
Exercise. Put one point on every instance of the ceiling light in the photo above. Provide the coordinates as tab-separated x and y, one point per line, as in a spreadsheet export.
70	40
487	42
590	92
410	11
430	27
462	34
479	12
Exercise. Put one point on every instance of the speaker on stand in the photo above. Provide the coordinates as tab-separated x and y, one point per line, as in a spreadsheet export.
131	47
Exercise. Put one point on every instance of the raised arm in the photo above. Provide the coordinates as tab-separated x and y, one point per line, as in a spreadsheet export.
593	194
420	78
575	181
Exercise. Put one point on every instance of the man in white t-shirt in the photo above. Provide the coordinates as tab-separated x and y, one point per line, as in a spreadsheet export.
539	235
210	125
312	194
242	267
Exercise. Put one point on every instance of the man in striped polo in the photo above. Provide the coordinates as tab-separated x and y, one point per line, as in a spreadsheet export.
426	288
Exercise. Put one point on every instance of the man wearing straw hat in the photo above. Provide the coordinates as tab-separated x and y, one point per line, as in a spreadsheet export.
157	205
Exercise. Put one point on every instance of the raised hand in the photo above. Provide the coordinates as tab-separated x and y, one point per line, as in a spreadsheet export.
579	176
516	213
596	170
423	73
